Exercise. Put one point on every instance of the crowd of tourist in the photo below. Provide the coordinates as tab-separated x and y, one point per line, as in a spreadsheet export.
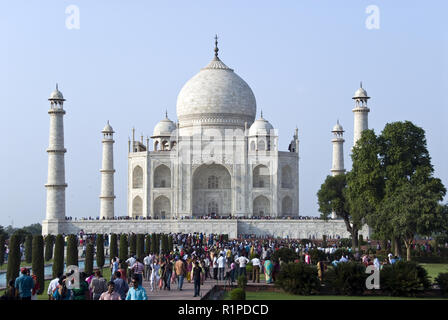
202	217
194	258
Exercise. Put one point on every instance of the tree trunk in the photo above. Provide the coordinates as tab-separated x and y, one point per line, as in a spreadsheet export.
397	247
355	242
408	244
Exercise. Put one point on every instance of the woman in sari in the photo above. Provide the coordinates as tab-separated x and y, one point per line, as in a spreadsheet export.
268	269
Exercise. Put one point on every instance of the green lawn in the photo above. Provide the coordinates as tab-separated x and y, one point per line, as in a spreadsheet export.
287	296
4	267
434	269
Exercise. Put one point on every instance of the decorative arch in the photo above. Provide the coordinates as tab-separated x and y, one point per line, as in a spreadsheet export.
287	177
137	177
137	206
162	208
252	146
287	206
162	177
261	145
261	206
165	145
261	177
212	190
156	145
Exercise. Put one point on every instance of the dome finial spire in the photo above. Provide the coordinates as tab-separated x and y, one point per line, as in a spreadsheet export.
261	110
360	84
216	46
166	113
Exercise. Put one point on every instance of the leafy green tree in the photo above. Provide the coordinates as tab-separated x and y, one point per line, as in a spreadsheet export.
49	242
113	249
14	258
28	248
88	269
21	234
140	246
165	244
332	197
33	229
58	260
100	251
123	248
412	195
170	243
132	244
147	244
38	261
2	248
72	250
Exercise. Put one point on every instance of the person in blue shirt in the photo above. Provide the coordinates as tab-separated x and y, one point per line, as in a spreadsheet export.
24	284
136	292
62	292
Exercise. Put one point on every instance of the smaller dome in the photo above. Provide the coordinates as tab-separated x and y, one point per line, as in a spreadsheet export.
337	127
56	95
361	93
260	127
108	128
164	127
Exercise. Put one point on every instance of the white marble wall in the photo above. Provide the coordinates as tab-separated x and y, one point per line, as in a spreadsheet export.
295	229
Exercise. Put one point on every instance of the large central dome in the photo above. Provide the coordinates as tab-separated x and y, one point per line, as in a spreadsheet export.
215	97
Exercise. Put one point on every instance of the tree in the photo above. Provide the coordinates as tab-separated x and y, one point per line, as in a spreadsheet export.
147	244
49	242
100	251
58	260
2	247
140	246
113	249
72	250
332	197
170	243
165	244
14	258
38	261
88	269
123	248
154	243
28	248
409	184
132	244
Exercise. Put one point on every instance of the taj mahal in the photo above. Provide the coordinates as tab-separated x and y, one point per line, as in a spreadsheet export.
217	169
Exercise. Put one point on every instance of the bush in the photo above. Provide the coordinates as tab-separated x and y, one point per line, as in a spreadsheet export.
123	248
113	249
339	253
14	258
72	250
132	244
347	278
242	281
2	248
442	282
170	243
164	244
298	278
29	248
140	246
88	266
49	242
58	260
153	242
404	278
317	255
249	269
100	251
285	254
346	242
237	294
38	261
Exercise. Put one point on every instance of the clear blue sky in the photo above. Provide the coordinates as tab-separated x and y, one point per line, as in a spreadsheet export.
129	59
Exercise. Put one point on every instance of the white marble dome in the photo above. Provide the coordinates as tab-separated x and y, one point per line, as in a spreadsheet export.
108	128
56	95
361	93
216	96
164	128
260	127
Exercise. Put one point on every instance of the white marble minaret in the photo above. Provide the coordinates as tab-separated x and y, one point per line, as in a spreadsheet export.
338	153
56	168
107	196
361	113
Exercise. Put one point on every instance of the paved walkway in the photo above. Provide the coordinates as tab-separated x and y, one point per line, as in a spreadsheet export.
187	292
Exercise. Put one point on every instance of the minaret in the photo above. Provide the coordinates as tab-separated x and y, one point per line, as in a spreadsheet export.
338	154
361	112
338	150
107	174
56	169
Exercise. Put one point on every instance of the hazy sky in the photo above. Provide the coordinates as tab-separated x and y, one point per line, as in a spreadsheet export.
129	59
